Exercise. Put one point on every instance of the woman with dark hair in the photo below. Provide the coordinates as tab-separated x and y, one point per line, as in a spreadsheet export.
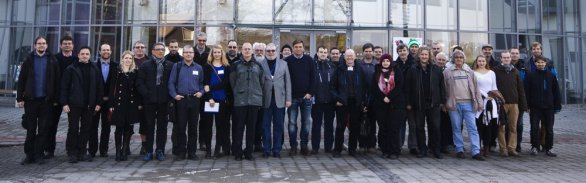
387	95
125	104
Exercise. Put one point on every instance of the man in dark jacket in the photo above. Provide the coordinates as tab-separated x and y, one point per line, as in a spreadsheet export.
544	94
81	96
232	54
425	92
173	55
487	51
348	88
37	92
107	68
510	85
152	79
367	64
246	79
519	65
65	58
201	50
323	109
404	63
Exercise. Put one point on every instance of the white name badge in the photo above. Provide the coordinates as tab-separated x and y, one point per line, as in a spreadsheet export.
221	72
350	68
195	73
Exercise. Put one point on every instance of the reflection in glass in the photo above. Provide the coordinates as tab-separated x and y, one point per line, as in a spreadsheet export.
21	46
219	36
446	39
77	12
21	12
573	78
184	36
441	14
473	15
406	14
376	37
177	11
370	13
216	11
501	15
254	11
6	12
571	16
330	39
109	35
550	16
107	12
251	35
147	35
528	16
293	12
4	58
472	44
331	12
139	11
48	12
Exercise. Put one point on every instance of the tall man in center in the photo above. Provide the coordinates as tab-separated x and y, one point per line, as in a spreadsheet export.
303	84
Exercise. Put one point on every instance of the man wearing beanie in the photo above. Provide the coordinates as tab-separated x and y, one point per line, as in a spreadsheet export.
413	47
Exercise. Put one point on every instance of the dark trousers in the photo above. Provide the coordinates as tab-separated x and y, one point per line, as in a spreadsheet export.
244	117
104	132
347	116
322	114
486	132
155	115
37	117
80	126
369	141
52	125
389	123
222	120
412	136
447	139
520	129
432	117
122	135
274	127
545	117
259	131
187	119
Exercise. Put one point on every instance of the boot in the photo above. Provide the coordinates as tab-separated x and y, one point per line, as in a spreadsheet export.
128	147
118	142
125	147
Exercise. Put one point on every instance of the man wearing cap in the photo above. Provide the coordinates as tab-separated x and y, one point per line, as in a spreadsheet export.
413	47
487	50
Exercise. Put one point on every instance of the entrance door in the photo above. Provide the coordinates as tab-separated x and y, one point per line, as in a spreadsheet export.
313	39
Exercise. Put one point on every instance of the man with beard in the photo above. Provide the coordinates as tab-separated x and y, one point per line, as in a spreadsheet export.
436	48
259	51
139	50
378	52
487	51
107	68
173	55
413	47
335	55
232	55
37	88
259	56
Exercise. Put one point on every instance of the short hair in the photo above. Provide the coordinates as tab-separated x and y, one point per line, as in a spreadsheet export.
535	44
86	48
436	43
103	45
377	47
513	48
231	40
475	64
158	44
286	46
261	45
334	48
138	42
539	57
187	46
457	48
368	45
173	41
65	38
201	34
322	47
38	38
505	51
297	41
400	47
458	52
441	54
271	45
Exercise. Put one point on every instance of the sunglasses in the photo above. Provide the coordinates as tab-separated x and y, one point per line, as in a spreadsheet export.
271	50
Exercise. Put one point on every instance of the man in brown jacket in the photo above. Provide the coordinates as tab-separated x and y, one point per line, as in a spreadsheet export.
509	83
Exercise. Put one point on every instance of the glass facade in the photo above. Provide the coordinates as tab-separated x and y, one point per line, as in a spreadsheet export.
560	25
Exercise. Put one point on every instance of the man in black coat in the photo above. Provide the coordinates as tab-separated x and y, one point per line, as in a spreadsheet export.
107	68
81	96
37	92
152	79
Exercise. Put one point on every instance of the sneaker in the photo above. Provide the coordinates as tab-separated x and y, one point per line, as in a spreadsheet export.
148	156
533	151
478	157
160	155
550	153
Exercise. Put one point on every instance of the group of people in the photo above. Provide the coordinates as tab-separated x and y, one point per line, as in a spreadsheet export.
247	94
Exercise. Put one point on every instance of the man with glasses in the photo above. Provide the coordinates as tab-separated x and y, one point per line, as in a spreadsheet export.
173	55
37	92
232	55
151	82
201	50
140	55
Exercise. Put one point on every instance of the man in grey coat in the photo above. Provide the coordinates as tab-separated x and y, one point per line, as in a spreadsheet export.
277	89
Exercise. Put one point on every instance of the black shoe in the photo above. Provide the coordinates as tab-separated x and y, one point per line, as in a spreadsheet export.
304	151
422	154
249	157
103	155
293	151
314	152
238	158
393	156
192	156
478	157
40	160
352	153
444	150
277	155
413	152
518	149
27	160
179	157
49	155
328	151
258	148
118	154
208	155
142	151
72	159
93	155
202	146
460	155
88	158
336	154
127	149
266	155
550	153
438	155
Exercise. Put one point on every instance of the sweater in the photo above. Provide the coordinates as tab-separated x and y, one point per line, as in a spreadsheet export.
303	75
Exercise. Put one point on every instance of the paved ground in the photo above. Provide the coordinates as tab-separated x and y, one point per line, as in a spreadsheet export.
570	144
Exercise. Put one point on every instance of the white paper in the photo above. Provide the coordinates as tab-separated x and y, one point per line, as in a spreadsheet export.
208	108
195	73
221	72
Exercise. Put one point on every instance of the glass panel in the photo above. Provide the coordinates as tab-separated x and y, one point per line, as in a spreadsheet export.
292	12
251	35
331	12
582	67
52	35
77	12
5	15
370	13
21	12
441	14
110	35
330	40
107	12
571	17
553	48
582	11
184	35
550	16
525	45
4	58
177	11
573	79
147	35
407	14
472	44
140	12
21	45
48	12
376	37
289	37
473	15
249	11
501	15
528	16
219	36
216	11
445	39
502	42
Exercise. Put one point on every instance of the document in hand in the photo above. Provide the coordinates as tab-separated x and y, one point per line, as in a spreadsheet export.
208	108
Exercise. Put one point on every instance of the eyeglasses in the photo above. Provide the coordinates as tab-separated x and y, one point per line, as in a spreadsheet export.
271	50
458	57
139	47
159	49
232	47
258	50
201	40
188	52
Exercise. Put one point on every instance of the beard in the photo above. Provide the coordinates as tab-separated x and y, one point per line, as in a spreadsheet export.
232	53
259	58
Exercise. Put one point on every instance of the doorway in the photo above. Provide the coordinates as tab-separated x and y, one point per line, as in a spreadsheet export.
312	39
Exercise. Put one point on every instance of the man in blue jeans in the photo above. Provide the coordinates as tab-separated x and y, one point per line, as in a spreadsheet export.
303	83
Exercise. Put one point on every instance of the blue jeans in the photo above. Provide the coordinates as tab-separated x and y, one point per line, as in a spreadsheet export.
464	110
276	117
305	106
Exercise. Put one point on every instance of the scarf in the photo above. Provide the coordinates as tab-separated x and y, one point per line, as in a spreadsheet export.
386	82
